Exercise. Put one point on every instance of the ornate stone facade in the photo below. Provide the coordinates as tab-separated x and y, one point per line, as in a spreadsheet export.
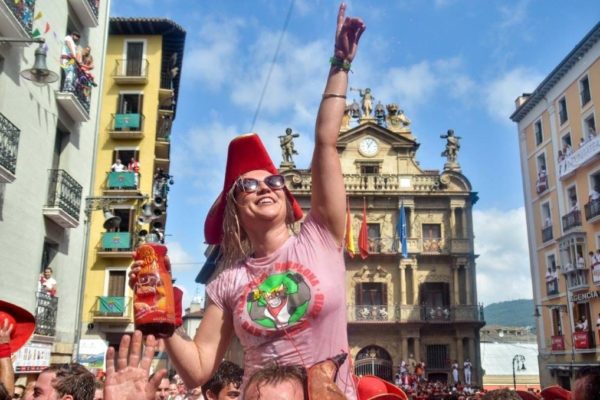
423	305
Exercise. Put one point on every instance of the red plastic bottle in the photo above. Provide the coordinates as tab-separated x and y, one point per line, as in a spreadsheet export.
153	301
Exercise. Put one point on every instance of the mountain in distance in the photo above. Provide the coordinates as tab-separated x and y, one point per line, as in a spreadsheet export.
510	313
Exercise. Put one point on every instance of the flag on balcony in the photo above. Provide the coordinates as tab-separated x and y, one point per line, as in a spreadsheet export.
349	242
363	236
401	229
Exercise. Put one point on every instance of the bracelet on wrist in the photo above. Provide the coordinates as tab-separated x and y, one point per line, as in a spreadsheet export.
4	350
340	64
333	95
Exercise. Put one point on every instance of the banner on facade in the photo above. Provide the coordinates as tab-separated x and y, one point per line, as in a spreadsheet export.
558	343
32	358
92	353
582	340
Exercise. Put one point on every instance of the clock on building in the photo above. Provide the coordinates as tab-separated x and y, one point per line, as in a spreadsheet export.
368	147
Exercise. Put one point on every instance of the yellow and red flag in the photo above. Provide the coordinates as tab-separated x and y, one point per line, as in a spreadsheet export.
363	235
349	243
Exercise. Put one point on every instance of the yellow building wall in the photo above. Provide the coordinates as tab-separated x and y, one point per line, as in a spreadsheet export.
97	266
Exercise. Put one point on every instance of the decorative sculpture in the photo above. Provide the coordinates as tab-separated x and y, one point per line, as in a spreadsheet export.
287	147
451	151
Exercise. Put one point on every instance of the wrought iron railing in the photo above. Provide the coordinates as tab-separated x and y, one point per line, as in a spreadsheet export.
95	5
81	86
413	313
552	286
374	366
64	193
45	314
547	234
9	144
592	209
132	68
23	11
381	182
571	220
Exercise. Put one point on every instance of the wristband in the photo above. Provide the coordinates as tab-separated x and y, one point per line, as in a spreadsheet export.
340	64
330	95
4	350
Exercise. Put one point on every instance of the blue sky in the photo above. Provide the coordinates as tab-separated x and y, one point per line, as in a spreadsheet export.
448	63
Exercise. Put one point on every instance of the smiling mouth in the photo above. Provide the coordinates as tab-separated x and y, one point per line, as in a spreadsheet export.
265	201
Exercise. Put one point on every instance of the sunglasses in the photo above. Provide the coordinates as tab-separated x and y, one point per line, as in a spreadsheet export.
251	185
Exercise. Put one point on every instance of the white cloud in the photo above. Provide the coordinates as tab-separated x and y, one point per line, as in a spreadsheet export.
503	271
180	259
500	94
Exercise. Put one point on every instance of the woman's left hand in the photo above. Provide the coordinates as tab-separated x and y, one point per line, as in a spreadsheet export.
347	35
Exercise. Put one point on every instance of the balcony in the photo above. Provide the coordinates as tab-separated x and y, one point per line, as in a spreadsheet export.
74	96
16	18
411	313
64	199
112	309
547	234
552	286
116	245
121	183
576	277
45	314
373	183
87	11
592	211
433	246
9	146
571	220
131	72
127	126
582	156
583	340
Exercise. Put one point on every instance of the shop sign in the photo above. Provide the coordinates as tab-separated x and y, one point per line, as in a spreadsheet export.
92	353
582	340
583	297
32	358
558	343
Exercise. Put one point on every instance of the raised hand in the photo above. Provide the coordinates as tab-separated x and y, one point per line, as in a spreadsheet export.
347	35
130	380
5	331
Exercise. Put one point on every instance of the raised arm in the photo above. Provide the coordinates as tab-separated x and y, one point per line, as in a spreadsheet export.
7	374
328	194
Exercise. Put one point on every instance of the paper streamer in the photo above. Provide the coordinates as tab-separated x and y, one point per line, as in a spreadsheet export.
38	16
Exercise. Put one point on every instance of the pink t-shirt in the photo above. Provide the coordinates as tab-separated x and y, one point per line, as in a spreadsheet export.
290	306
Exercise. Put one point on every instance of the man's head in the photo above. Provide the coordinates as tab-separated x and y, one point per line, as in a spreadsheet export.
225	383
587	384
76	36
47	272
276	383
67	382
162	391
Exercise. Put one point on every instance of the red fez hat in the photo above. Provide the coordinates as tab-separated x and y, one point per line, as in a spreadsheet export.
371	387
556	393
526	395
23	324
246	153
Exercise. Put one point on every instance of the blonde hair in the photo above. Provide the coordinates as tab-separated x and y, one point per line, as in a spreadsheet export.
235	244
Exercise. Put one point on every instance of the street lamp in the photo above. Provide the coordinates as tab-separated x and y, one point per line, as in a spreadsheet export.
518	364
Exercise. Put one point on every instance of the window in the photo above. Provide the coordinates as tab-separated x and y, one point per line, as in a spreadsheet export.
371	293
562	111
557	329
369	169
135	54
546	216
589	126
48	253
374	236
116	283
432	237
584	90
437	356
126	220
539	135
130	103
541	162
572	198
551	276
125	155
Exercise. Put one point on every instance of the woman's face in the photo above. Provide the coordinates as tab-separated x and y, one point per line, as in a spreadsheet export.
265	204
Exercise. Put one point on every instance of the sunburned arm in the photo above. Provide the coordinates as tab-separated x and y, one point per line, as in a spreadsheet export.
196	360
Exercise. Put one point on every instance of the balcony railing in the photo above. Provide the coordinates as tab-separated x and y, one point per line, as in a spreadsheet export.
9	146
380	183
580	157
21	17
592	209
571	220
576	276
541	184
131	71
374	366
433	245
163	131
75	93
87	11
552	286
547	234
64	196
112	307
127	126
45	314
408	313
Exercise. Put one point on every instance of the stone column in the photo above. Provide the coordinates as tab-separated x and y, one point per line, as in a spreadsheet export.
453	231
460	359
456	295
418	349
474	360
464	223
415	283
402	269
468	283
404	349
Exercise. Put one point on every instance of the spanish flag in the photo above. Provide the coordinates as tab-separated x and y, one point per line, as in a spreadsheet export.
363	235
349	234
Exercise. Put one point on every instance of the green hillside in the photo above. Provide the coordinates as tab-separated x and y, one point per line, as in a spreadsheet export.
510	313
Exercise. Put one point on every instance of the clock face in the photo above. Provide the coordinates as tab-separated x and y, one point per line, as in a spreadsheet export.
368	147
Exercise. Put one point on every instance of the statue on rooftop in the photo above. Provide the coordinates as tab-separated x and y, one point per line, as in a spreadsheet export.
367	101
287	146
451	151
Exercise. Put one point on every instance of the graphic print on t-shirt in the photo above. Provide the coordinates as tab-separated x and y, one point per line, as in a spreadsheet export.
279	301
